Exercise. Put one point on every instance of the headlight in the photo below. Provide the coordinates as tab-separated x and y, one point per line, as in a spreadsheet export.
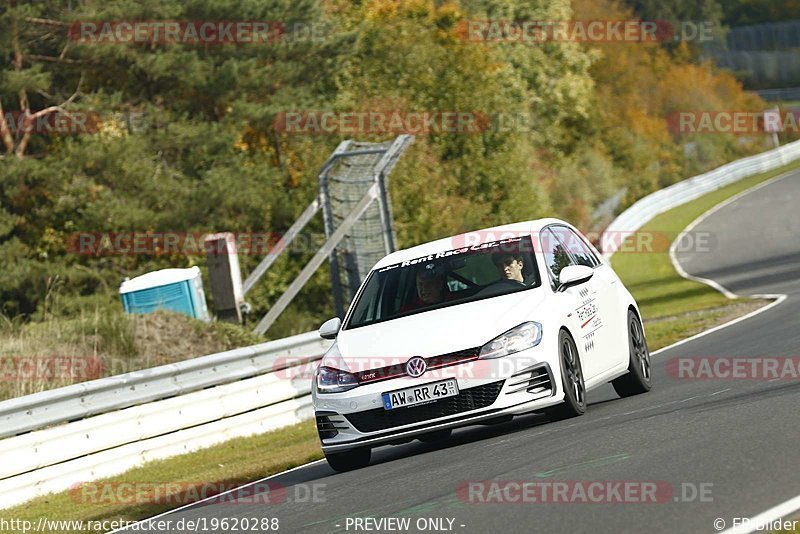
333	375
519	338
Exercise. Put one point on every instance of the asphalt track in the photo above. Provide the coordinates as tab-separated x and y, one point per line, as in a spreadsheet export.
739	436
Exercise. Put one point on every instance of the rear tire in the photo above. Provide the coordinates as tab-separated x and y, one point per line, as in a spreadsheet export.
349	460
638	379
571	380
436	436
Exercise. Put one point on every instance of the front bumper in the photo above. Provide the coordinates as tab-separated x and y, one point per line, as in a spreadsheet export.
488	389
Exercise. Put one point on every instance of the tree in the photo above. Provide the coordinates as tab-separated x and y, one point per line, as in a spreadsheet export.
748	12
34	77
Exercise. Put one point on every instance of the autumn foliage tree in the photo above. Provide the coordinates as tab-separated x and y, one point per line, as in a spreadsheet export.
204	153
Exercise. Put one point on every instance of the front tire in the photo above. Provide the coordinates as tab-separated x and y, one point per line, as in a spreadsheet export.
638	379
349	460
571	380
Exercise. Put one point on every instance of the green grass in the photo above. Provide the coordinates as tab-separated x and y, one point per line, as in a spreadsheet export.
674	308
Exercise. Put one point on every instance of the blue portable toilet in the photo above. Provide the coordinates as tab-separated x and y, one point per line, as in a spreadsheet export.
178	290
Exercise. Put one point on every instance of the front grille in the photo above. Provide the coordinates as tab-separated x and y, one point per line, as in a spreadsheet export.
433	362
467	400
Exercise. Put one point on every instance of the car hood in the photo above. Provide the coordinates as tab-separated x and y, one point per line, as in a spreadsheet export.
440	331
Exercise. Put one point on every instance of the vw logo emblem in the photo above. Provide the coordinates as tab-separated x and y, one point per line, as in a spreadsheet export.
416	366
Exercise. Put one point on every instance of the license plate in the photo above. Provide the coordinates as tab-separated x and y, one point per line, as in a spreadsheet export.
420	394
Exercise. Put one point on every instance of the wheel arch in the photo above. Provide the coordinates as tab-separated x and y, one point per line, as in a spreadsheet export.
632	307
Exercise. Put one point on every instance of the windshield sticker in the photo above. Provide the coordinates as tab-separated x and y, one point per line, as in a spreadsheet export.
448	253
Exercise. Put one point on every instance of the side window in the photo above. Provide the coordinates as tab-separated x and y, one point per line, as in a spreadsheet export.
368	303
555	254
576	246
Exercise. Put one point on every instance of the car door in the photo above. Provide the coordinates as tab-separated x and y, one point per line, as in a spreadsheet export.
594	303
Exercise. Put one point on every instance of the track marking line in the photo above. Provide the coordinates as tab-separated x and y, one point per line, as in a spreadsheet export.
720	391
673	247
777	298
766	517
136	525
596	462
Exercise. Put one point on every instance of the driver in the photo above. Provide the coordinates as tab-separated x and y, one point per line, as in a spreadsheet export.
509	265
431	289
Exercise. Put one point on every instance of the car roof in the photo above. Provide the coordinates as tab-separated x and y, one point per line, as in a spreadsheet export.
474	237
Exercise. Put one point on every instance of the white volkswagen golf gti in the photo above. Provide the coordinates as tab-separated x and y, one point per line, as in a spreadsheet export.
475	328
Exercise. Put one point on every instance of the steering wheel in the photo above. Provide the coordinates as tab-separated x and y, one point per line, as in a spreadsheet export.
506	281
498	287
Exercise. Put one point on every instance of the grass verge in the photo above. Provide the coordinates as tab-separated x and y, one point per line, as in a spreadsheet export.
674	308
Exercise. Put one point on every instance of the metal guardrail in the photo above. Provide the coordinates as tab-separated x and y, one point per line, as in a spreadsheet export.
55	440
78	401
643	210
788	94
42	449
56	444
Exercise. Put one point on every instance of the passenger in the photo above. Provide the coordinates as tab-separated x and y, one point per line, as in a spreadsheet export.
509	265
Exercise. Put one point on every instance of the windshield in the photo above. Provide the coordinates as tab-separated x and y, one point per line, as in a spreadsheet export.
445	279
